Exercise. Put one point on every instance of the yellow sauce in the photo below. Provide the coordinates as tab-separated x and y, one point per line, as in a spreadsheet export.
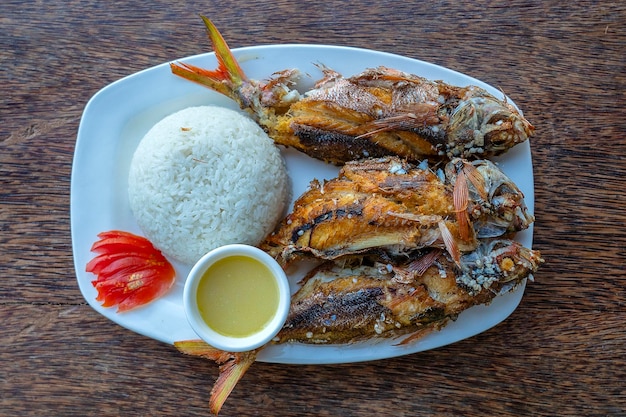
237	296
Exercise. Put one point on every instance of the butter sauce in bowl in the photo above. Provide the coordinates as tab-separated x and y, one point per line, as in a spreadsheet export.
236	298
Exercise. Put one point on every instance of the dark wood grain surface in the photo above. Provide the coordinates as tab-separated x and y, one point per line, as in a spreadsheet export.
562	352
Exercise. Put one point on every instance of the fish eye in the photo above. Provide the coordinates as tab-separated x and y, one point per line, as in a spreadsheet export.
497	119
497	139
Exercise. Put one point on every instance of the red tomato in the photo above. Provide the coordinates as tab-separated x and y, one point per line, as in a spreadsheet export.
130	271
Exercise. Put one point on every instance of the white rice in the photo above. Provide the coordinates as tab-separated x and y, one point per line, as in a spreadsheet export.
205	177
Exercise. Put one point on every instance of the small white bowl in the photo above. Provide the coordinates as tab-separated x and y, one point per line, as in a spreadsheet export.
232	343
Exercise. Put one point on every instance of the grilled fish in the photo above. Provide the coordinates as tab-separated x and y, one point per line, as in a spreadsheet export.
389	205
340	303
380	112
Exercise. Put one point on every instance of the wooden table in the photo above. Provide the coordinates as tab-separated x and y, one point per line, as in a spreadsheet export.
562	352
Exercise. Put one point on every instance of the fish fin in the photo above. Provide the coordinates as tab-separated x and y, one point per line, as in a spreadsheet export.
417	116
472	175
420	265
226	77
420	218
330	75
408	273
230	373
450	244
233	365
460	197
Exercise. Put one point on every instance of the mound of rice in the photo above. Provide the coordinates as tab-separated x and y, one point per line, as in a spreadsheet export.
205	177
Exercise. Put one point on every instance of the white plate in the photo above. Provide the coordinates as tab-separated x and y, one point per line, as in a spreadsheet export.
118	116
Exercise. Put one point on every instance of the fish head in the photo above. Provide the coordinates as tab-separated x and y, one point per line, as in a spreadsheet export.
482	125
496	205
496	263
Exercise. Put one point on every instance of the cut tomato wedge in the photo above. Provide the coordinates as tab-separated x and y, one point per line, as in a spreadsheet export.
130	271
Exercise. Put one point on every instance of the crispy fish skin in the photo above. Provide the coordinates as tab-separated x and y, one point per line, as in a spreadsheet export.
383	111
379	112
390	205
358	212
342	303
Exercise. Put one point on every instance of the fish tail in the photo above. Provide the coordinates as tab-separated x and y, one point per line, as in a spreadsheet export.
233	365
226	78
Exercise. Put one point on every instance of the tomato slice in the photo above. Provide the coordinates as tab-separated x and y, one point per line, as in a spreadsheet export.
131	290
121	244
104	260
130	271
